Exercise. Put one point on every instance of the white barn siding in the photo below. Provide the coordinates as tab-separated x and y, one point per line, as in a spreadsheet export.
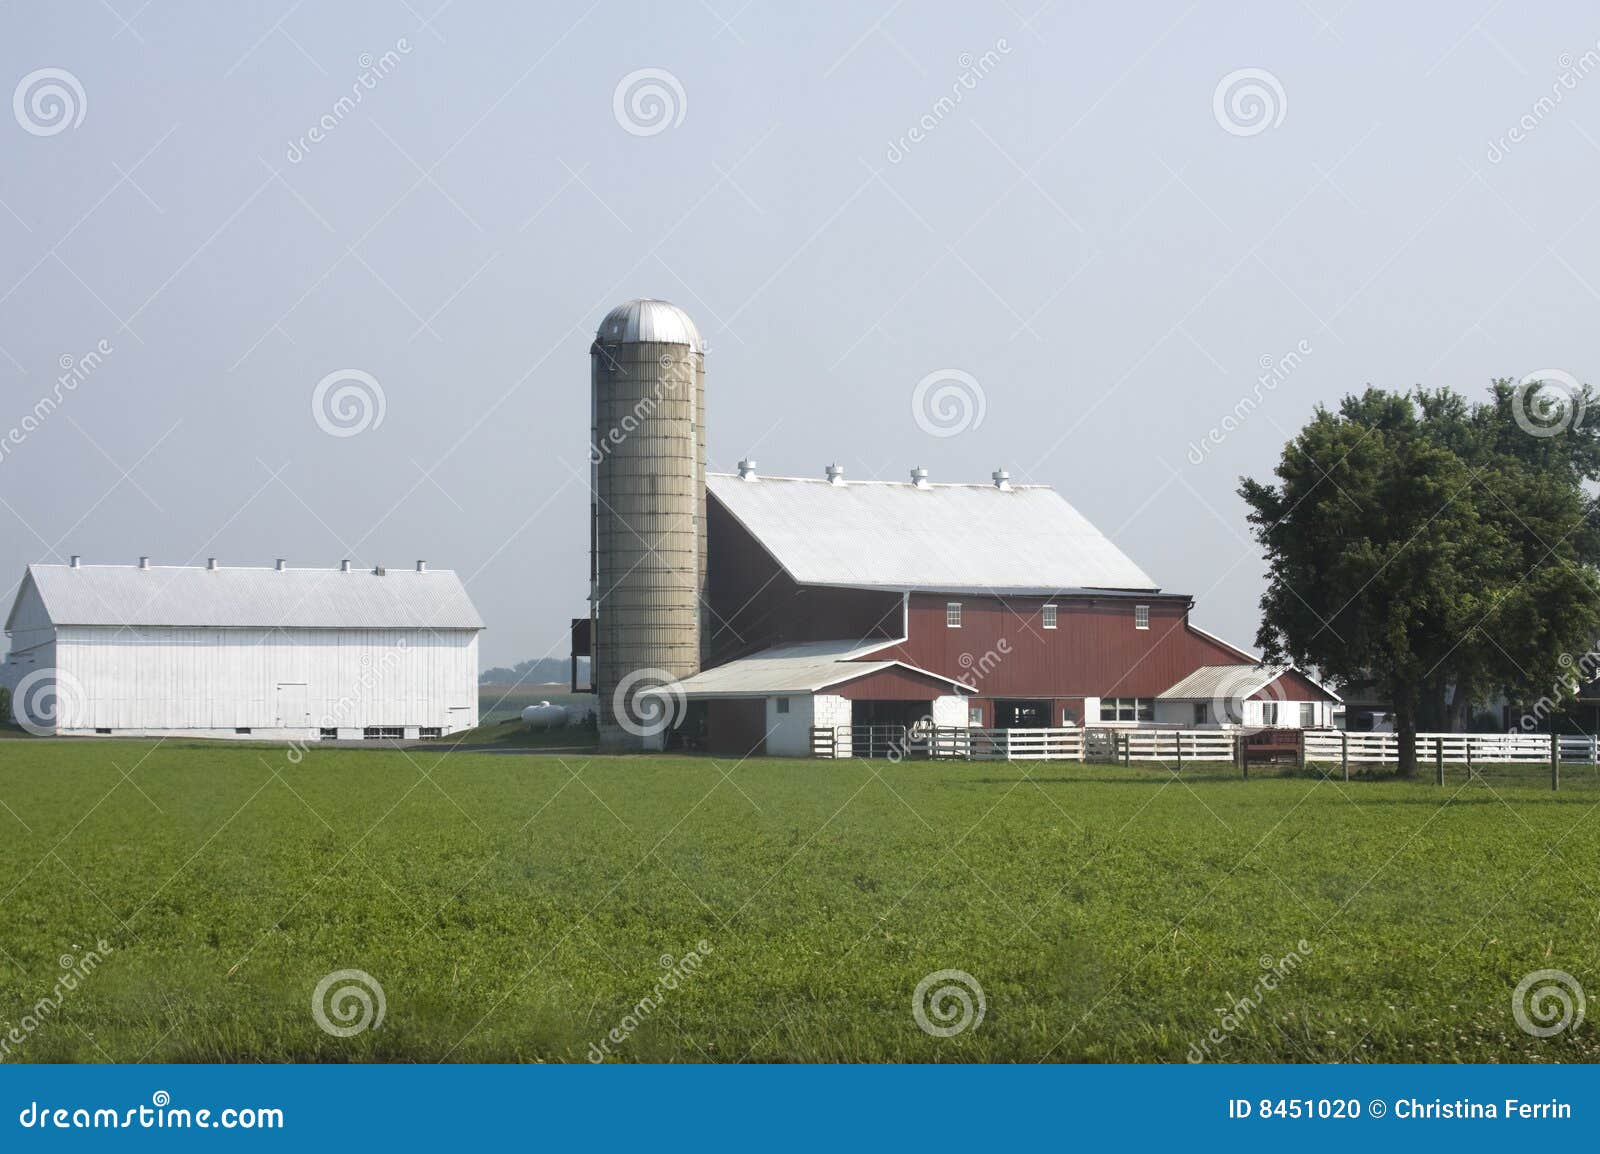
789	734
164	679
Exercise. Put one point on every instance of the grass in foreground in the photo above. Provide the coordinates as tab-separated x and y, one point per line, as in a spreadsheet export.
519	908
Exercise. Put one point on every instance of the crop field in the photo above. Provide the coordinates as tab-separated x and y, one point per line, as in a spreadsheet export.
529	907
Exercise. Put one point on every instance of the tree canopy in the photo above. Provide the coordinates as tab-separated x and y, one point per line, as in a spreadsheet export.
1426	542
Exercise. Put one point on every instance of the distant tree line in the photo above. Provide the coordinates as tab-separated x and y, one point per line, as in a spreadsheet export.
538	671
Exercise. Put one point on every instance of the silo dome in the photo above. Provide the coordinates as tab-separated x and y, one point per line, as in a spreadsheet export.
648	320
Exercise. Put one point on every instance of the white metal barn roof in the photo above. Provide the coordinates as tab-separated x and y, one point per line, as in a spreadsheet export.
945	538
252	598
1210	682
799	669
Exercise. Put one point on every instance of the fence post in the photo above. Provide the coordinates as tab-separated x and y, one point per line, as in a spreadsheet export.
1469	756
1555	761
1241	756
1438	759
1178	735
1300	740
1344	754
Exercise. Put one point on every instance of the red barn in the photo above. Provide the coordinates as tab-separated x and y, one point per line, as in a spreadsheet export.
831	602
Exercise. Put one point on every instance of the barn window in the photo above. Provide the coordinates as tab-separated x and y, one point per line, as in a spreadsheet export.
328	734
1141	616
783	704
1308	714
102	731
1049	616
1199	713
242	729
1269	713
975	715
430	731
952	615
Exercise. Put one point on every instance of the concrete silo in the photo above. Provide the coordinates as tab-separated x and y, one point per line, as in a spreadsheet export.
648	537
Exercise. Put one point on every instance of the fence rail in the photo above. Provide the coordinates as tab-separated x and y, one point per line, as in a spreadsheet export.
1451	748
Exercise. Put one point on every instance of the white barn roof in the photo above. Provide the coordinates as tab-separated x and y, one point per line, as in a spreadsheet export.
946	538
194	596
809	667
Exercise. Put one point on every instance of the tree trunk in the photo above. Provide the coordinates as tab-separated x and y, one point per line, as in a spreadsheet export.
1405	731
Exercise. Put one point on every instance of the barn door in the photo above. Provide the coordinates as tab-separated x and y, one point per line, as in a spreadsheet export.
294	711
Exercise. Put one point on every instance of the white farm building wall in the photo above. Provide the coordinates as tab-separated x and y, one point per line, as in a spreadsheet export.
275	682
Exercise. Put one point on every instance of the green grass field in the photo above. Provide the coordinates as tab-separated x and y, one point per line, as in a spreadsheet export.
518	907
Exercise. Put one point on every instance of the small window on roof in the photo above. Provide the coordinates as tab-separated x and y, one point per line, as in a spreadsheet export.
1141	616
952	615
1049	616
783	704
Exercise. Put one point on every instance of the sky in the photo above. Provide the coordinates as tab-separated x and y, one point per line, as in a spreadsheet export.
1123	250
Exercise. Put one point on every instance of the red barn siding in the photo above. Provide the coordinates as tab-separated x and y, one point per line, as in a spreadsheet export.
1292	686
1093	651
893	685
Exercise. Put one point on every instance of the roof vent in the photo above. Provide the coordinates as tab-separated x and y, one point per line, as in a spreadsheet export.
282	564
747	469
379	571
422	566
835	475
144	562
76	561
919	476
211	564
344	566
1002	480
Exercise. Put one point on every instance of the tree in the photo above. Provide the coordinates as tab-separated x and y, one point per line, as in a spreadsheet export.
1431	543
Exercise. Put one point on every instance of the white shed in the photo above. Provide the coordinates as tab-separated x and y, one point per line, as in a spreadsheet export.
212	651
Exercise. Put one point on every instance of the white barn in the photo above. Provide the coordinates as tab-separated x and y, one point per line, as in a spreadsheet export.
211	651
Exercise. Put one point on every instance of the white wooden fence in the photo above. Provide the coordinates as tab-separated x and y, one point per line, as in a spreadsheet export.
1457	748
1007	744
1180	745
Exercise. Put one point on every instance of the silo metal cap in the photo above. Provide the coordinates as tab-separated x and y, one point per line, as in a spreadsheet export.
648	320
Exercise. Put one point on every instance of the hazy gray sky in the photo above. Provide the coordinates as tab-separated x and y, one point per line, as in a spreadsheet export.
1107	246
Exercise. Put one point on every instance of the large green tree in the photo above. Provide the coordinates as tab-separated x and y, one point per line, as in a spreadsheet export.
1428	542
